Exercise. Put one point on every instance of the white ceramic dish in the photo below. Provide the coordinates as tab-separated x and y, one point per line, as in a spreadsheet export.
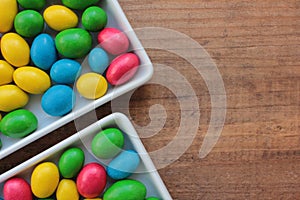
116	18
146	171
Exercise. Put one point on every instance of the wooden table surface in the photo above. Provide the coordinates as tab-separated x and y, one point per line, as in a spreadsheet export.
256	47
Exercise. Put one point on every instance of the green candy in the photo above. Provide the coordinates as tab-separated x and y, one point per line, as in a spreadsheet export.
29	23
126	189
108	143
73	43
32	4
70	162
18	123
94	18
79	4
152	198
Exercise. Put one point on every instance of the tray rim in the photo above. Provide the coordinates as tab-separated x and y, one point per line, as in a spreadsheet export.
118	119
120	90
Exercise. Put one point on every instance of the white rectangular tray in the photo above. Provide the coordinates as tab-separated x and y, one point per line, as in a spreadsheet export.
146	170
116	18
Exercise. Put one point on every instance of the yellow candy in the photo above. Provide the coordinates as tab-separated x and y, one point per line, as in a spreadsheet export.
12	97
8	11
91	85
60	17
44	179
15	49
67	190
32	79
6	72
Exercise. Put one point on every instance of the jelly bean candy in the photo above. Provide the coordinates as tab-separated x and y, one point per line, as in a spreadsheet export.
108	143
113	41
18	123
29	23
123	165
94	18
59	17
73	43
32	79
91	180
12	97
8	11
15	49
126	189
91	85
17	188
122	68
44	179
58	100
71	162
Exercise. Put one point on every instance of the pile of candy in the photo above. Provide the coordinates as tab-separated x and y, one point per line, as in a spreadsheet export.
72	179
41	49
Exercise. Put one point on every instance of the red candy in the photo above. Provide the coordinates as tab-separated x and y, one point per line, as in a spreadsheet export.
91	180
16	189
122	68
113	41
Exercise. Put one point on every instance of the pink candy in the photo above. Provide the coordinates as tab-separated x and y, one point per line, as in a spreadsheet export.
16	189
113	41
91	180
122	68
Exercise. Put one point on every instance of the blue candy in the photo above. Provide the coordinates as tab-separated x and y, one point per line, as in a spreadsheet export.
65	71
98	60
123	165
58	100
43	51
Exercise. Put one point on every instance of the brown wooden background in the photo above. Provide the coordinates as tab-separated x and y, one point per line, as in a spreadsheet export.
256	46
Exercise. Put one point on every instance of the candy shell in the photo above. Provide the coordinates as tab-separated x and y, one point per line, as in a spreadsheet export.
91	85
91	180
43	51
18	123
67	190
113	41
65	71
32	80
73	43
94	18
123	165
44	179
71	162
108	143
8	11
12	97
16	189
60	18
79	4
152	198
32	4
126	189
98	60
6	72
29	23
58	100
122	68
15	49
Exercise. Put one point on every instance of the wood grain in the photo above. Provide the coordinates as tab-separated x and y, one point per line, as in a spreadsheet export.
256	46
